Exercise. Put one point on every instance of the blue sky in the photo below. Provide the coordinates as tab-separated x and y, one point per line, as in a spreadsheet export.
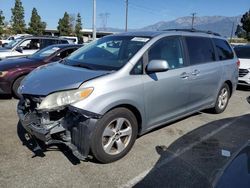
141	12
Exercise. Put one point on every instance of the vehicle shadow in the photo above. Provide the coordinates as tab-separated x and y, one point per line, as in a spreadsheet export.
40	149
5	97
199	158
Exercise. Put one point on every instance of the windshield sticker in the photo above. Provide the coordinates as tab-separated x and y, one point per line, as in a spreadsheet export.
140	39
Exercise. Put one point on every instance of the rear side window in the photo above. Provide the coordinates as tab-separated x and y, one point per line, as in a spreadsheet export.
48	42
63	42
223	49
200	50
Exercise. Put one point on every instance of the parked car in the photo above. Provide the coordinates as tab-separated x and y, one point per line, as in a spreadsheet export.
243	53
28	45
4	42
13	71
104	95
71	38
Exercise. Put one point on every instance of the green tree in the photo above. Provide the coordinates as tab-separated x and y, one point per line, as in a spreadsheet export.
1	22
245	21
17	18
78	26
240	32
36	26
64	26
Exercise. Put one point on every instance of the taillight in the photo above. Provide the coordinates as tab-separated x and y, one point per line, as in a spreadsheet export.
238	63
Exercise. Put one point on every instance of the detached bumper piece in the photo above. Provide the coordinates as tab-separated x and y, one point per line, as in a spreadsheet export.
70	126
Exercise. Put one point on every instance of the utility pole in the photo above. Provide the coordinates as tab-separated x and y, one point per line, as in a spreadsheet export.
94	20
193	16
231	37
126	23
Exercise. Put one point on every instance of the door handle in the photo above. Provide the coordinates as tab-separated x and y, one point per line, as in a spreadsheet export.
184	75
195	72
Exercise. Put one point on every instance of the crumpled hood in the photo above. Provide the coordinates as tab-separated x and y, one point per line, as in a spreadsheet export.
56	77
244	63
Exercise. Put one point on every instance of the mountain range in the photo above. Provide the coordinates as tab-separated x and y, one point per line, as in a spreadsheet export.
219	24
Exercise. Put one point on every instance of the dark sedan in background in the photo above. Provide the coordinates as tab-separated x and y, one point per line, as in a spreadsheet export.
13	71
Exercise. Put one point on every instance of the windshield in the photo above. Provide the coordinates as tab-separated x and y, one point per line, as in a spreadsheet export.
108	53
242	52
11	44
46	52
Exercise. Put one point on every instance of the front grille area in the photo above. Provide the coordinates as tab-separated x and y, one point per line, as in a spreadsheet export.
31	102
243	72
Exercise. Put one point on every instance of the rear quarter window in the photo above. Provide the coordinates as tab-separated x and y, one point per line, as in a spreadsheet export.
223	49
200	50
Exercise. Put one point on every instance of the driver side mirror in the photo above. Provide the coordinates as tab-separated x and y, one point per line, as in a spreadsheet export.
19	49
157	66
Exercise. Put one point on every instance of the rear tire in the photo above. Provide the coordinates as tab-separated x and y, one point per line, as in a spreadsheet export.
222	99
16	85
114	135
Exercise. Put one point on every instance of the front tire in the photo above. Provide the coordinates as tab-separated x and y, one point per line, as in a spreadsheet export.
222	99
15	87
114	135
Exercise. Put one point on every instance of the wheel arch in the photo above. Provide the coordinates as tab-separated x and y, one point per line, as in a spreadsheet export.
134	110
230	85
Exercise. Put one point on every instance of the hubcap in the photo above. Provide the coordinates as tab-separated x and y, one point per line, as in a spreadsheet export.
223	98
116	136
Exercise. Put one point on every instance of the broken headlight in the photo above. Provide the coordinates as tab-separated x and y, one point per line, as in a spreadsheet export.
64	98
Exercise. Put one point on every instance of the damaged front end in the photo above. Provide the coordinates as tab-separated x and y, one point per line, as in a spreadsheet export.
68	125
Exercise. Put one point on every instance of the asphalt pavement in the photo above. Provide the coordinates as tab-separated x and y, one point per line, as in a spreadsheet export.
180	154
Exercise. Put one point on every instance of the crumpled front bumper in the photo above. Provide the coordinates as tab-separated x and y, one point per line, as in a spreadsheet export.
73	127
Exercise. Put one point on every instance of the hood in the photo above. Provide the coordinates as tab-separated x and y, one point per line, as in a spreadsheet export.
244	63
4	50
56	77
8	64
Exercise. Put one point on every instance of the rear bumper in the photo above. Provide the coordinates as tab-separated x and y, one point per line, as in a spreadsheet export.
74	129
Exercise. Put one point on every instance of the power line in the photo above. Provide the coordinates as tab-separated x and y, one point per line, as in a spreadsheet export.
104	19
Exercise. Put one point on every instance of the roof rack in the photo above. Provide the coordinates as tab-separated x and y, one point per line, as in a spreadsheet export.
194	30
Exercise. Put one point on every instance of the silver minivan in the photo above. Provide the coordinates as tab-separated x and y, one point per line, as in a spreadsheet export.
99	99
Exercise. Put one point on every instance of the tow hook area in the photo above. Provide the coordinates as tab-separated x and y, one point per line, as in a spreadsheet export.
70	126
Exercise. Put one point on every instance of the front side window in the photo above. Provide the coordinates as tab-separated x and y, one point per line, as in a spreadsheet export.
200	50
223	49
108	53
30	44
168	49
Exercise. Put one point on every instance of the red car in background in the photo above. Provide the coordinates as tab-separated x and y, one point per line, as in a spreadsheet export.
13	71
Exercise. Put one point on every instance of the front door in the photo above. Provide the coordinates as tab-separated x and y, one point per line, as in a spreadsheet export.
166	93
